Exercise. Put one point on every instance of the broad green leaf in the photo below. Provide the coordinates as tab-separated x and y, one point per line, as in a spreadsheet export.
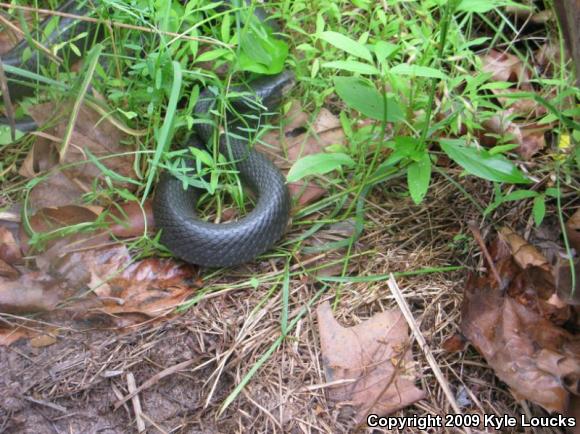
553	192
361	95
211	55
417	71
317	164
480	163
539	209
352	66
346	44
418	177
384	50
260	51
482	6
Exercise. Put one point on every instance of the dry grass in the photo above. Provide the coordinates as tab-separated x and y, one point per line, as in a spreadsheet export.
183	369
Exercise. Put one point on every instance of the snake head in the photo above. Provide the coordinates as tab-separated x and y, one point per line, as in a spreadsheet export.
271	89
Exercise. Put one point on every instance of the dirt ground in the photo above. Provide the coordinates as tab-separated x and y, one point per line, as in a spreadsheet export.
184	367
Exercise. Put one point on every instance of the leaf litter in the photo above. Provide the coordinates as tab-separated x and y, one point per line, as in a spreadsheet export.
96	151
521	115
75	266
300	138
371	362
521	324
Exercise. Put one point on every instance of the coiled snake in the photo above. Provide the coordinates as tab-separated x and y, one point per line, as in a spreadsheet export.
183	232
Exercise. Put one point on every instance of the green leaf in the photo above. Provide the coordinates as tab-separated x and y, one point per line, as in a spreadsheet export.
418	177
384	50
260	51
211	55
352	66
500	149
482	6
6	136
166	132
417	71
346	44
317	164
519	195
539	209
553	192
480	163
361	95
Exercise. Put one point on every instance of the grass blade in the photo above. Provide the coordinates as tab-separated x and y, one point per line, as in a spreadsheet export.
92	59
166	132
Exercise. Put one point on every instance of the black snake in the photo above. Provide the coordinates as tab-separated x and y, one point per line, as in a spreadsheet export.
183	233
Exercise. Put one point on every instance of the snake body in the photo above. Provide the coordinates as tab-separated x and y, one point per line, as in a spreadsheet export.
219	245
183	233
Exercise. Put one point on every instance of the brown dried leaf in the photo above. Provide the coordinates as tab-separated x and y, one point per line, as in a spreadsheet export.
530	138
546	57
524	254
130	219
526	351
300	139
506	67
10	335
50	219
153	287
43	340
30	293
563	281
56	190
375	355
91	134
7	270
454	344
10	251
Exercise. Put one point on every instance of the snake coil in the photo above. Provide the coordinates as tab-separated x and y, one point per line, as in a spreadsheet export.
183	233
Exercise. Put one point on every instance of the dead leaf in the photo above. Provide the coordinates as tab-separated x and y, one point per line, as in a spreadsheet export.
9	249
30	293
454	344
519	345
92	136
130	219
51	219
56	190
152	287
300	139
7	40
533	141
524	254
43	340
519	330
563	280
506	67
530	139
10	335
546	57
375	355
573	231
7	270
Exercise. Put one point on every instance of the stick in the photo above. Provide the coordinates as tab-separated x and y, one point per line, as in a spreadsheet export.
423	344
